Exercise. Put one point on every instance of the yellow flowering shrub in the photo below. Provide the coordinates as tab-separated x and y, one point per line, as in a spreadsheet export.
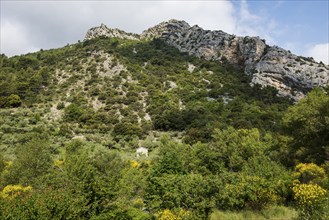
309	198
11	191
308	194
134	164
167	214
309	173
58	163
7	164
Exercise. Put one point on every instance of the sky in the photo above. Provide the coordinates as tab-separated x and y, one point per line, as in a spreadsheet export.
301	26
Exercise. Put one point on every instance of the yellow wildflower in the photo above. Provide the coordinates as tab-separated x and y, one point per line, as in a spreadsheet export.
11	191
134	164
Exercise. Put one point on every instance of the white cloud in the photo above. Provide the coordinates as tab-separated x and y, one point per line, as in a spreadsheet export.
252	24
245	14
320	52
49	24
14	40
142	15
30	25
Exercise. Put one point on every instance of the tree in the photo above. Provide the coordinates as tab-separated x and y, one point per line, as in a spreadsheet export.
170	159
192	192
126	129
48	203
95	173
308	123
234	147
33	159
26	62
169	120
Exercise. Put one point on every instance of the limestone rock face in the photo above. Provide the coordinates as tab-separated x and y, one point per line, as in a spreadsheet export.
171	28
103	30
290	74
211	45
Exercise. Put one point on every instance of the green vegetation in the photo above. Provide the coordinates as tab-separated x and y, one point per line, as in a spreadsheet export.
72	118
274	212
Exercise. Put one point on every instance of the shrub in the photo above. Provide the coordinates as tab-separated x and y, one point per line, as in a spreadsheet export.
47	204
249	192
307	122
33	159
310	200
180	214
60	105
73	112
14	100
11	191
309	173
134	164
127	129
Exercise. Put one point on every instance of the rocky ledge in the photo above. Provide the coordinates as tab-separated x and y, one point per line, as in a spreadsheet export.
103	30
290	74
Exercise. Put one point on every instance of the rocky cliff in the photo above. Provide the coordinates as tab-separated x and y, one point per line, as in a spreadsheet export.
103	30
290	74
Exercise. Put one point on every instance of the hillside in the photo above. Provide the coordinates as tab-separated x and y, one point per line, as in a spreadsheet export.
290	74
221	125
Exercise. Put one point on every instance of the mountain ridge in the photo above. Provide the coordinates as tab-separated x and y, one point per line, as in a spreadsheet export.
293	76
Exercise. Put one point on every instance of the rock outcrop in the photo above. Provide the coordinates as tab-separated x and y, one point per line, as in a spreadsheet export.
166	29
290	74
103	30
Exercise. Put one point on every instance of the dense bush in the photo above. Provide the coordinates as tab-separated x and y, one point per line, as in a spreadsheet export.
311	200
306	122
